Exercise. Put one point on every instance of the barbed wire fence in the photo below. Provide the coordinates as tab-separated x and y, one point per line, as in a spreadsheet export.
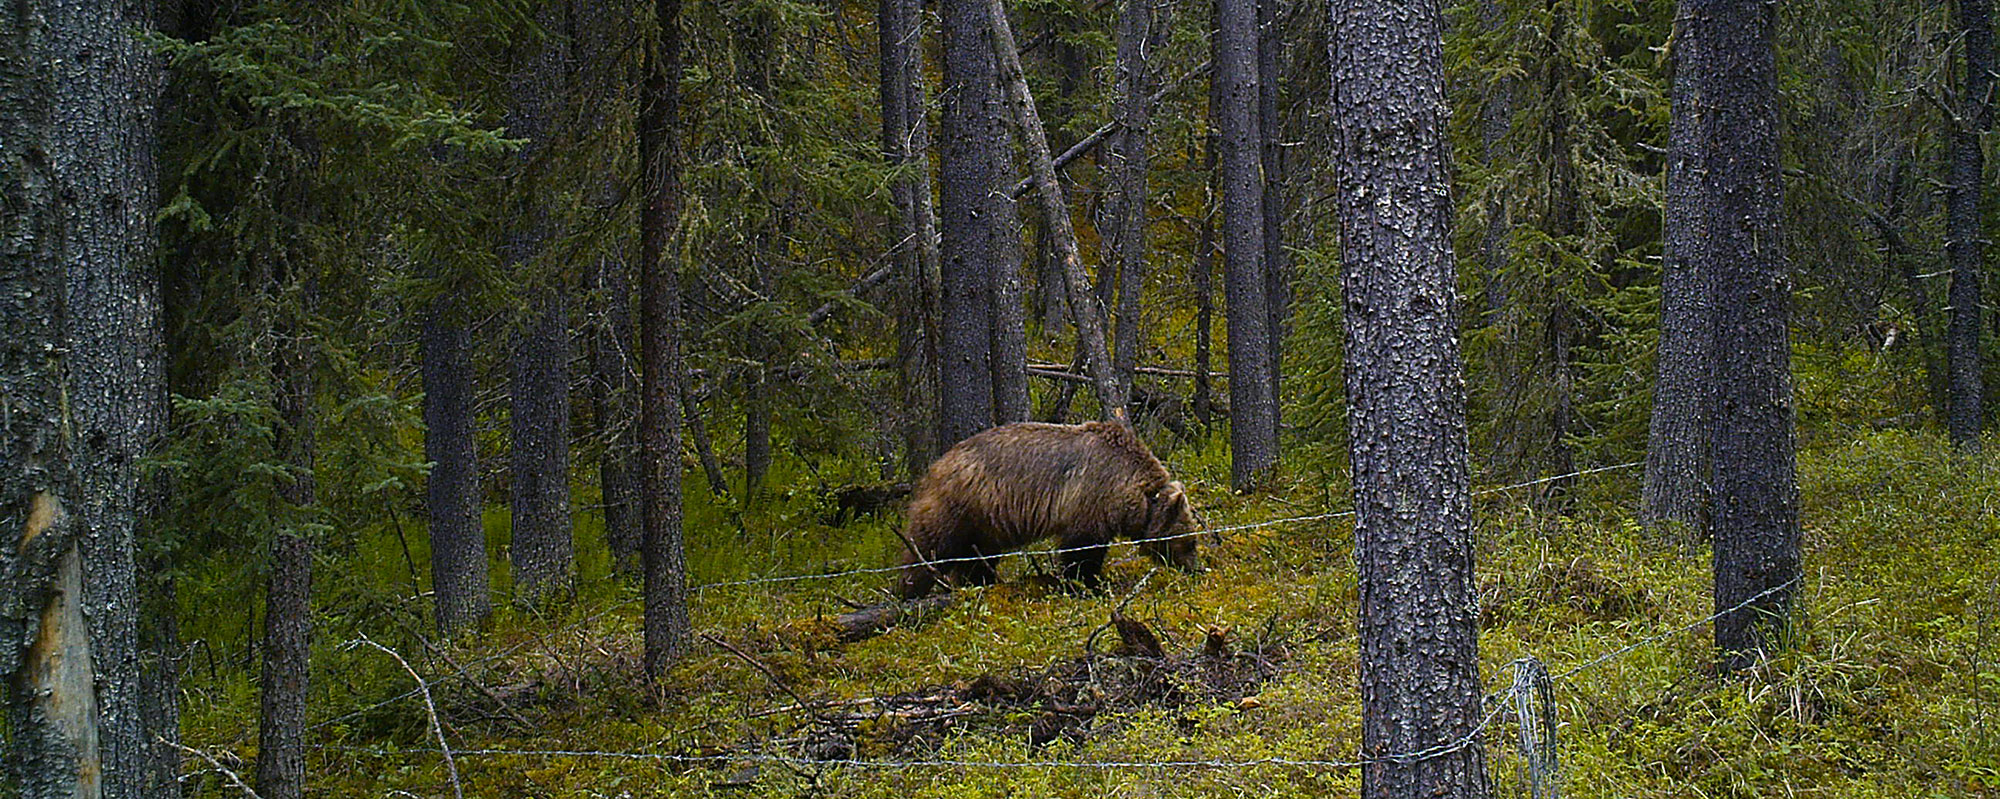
1529	697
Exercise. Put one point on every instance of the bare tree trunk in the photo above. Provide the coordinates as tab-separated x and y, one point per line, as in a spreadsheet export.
1252	444
543	554
666	616
1675	494
905	143
1137	40
971	173
1271	157
542	551
1204	292
50	717
1088	314
101	157
1754	519
458	538
704	450
614	391
1406	403
281	757
1964	241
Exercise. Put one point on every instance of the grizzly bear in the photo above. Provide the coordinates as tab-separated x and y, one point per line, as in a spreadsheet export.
1003	489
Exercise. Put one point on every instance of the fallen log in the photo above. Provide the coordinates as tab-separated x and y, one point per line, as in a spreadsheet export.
872	621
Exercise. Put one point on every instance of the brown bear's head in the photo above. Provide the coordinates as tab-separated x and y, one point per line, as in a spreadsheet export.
1169	529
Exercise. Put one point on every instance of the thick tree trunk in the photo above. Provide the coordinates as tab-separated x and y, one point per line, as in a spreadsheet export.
543	554
1755	510
50	746
906	145
1271	157
1964	242
1675	494
666	615
970	172
1137	40
1010	324
1253	446
451	494
614	396
101	156
1089	314
1406	400
282	681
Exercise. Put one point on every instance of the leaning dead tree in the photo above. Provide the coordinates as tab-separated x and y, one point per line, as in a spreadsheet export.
1055	211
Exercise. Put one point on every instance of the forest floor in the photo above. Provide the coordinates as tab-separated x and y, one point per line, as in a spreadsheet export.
1889	685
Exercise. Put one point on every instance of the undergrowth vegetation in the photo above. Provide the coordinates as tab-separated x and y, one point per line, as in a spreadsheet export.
1890	685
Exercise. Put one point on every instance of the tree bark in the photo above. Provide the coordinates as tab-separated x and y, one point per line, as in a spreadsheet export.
666	615
282	682
1204	291
969	172
451	494
1964	241
614	395
1271	158
906	145
1089	315
1252	441
1675	493
542	552
1137	40
1755	511
50	715
102	158
1406	401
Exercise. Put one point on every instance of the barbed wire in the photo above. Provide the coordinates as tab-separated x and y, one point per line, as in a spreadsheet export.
793	578
1500	701
464	672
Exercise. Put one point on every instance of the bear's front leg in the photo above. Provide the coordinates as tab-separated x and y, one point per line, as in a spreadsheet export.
1084	566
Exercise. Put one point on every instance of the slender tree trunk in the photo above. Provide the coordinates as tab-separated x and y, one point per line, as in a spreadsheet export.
282	681
1089	315
1271	158
1406	403
1204	292
1252	445
1137	40
905	145
614	395
666	615
1755	511
451	494
1496	114
542	552
704	450
971	174
1964	241
1562	226
756	432
1675	494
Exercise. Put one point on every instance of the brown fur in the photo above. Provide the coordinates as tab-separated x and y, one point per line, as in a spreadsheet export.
1003	489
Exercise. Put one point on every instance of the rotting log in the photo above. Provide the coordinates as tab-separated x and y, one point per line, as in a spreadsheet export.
875	620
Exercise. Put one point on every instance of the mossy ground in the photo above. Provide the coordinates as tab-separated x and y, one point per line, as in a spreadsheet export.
1889	686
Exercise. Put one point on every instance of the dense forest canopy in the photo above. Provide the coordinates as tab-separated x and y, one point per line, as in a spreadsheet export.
535	397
